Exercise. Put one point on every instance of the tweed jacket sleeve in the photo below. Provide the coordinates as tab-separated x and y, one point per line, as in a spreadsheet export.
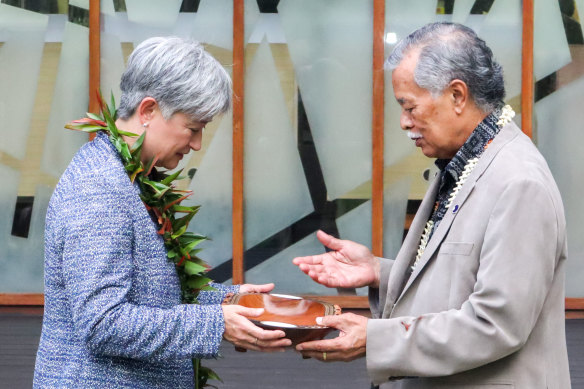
106	269
99	274
216	296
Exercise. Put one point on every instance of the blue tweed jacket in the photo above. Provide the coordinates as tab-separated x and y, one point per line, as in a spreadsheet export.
113	317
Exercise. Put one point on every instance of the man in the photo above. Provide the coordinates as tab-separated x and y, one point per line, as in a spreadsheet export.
475	297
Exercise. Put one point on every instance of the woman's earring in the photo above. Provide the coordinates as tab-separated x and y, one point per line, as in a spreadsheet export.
144	125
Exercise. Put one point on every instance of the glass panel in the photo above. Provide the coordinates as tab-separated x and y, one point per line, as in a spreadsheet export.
356	226
558	122
208	170
351	224
280	270
401	158
212	189
40	6
401	18
276	192
70	100
502	30
41	54
397	146
395	204
23	271
307	135
114	55
407	171
153	13
331	50
406	16
404	164
214	25
80	3
20	60
8	194
461	10
550	43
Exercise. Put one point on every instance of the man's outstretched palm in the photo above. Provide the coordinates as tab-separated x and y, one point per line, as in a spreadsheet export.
349	265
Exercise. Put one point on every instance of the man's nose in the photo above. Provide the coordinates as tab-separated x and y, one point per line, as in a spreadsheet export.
405	121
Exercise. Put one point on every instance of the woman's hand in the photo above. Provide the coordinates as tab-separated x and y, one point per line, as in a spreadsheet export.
243	333
251	288
350	265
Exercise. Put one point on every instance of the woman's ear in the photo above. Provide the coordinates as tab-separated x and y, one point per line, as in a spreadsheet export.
459	92
146	110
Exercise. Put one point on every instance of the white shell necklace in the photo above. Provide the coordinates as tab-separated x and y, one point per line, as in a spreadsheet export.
507	114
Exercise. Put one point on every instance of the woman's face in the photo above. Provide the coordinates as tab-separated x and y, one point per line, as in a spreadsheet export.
169	140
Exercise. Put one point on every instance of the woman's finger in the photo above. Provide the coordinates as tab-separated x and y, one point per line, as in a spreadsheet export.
248	312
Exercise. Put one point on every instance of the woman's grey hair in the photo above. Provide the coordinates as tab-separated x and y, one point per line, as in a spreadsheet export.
450	51
180	75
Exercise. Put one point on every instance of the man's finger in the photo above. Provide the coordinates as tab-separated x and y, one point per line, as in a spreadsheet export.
334	321
311	268
329	241
319	345
326	356
308	260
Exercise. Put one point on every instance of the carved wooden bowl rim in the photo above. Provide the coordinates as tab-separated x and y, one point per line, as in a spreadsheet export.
329	309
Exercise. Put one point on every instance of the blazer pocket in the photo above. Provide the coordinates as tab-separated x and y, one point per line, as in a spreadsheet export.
456	248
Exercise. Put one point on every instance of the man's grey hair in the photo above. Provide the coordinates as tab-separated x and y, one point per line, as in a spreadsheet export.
450	51
180	75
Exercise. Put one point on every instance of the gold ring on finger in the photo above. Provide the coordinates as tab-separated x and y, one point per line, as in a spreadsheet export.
324	356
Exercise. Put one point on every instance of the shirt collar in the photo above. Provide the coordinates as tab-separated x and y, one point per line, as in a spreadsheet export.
474	146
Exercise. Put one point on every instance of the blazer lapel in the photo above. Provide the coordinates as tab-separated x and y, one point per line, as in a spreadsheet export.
505	135
442	229
399	270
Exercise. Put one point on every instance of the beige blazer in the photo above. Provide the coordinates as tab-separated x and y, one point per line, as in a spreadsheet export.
484	307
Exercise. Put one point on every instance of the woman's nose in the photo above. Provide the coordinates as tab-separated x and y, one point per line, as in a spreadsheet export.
196	140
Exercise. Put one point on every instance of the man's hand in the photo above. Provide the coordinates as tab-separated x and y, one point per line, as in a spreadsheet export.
349	345
243	333
350	265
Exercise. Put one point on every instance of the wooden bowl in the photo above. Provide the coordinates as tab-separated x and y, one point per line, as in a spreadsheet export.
293	315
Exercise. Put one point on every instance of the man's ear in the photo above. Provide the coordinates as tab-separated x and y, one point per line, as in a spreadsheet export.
146	109
459	94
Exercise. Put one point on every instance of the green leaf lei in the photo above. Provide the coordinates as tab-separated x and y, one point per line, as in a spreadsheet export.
162	199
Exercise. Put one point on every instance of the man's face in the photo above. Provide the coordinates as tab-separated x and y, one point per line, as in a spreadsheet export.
171	139
432	123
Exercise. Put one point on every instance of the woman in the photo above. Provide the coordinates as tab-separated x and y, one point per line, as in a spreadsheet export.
113	313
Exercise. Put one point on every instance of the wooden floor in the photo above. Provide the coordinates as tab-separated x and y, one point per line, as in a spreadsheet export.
20	330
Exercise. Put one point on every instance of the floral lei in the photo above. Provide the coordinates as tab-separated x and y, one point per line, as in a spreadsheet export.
507	114
162	199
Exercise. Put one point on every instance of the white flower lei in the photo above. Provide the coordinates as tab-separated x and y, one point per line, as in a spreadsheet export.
507	114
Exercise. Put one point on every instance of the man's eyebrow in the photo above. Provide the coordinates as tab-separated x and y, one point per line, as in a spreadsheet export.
401	100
